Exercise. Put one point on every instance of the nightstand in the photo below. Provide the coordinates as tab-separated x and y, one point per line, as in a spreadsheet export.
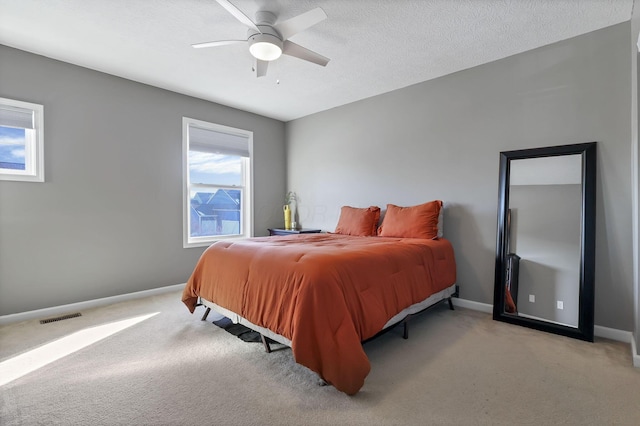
282	231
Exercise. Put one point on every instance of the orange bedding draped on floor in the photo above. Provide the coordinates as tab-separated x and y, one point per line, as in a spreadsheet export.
324	292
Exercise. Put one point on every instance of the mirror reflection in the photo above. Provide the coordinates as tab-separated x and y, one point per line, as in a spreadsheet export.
545	251
544	239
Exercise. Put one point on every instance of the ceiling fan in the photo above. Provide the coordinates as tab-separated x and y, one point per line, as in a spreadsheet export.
268	40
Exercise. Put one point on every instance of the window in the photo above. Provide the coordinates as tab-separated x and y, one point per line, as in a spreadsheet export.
217	182
21	146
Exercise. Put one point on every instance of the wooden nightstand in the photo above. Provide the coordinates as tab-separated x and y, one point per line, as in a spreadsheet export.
282	231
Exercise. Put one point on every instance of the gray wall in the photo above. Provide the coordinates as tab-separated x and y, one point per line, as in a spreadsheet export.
635	131
441	140
545	233
108	219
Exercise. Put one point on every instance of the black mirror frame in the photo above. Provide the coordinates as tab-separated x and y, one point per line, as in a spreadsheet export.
584	331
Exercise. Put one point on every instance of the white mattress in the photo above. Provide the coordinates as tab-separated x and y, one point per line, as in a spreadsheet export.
415	308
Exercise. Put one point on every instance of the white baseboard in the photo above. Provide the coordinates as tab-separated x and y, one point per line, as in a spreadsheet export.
634	353
470	304
64	309
613	334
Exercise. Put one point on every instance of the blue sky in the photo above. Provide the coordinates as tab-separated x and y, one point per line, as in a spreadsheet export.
206	167
11	145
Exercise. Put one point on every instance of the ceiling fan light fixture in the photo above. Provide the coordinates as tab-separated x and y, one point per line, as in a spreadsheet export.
265	51
265	47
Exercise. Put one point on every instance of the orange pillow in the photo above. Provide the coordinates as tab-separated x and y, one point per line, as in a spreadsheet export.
358	221
419	221
509	305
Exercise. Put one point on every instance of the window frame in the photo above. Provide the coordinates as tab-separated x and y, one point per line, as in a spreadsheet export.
34	145
246	226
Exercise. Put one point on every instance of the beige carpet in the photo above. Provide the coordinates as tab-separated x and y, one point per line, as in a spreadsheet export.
458	368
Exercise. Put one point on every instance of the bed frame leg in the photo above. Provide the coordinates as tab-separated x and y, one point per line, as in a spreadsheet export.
450	304
206	314
267	348
405	324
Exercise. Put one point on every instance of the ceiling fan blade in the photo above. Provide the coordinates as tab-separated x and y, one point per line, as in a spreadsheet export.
260	67
299	23
292	49
237	13
217	43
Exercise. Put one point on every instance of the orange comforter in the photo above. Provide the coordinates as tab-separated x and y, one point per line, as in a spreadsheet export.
324	292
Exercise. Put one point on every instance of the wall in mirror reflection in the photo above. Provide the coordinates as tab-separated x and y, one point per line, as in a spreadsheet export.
545	204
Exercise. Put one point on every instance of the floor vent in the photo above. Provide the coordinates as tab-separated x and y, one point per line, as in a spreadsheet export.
63	317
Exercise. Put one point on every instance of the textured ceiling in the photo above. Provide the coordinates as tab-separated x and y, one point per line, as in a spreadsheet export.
375	46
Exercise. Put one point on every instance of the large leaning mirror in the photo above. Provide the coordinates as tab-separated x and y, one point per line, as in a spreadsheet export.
545	252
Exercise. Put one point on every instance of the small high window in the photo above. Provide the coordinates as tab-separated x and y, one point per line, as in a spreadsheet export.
217	182
21	141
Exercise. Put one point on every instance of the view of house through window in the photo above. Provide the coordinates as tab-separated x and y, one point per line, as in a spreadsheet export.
217	184
215	193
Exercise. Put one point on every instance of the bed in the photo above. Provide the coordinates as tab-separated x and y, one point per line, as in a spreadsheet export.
324	294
